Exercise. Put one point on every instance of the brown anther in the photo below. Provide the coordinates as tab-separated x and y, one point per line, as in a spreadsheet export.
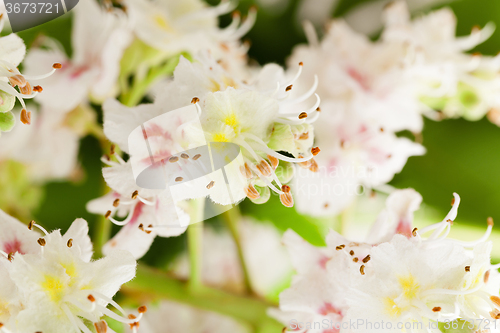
142	309
362	269
91	298
38	89
286	198
355	259
282	331
264	168
351	252
251	192
17	80
495	314
101	327
326	205
184	156
453	201
449	221
106	156
366	259
274	161
301	63
318	109
1	325
41	241
173	159
289	87
195	100
132	317
148	231
467	268
303	115
135	194
116	203
245	171
486	276
31	224
381	129
179	179
70	242
112	149
489	220
342	143
235	14
496	300
108	214
197	156
304	136
10	257
313	165
27	89
436	309
141	226
340	247
210	185
57	65
315	150
414	232
25	117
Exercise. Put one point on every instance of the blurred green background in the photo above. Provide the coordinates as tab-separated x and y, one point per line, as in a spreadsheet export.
461	156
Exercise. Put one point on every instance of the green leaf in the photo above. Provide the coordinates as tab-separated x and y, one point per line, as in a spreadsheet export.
7	121
311	229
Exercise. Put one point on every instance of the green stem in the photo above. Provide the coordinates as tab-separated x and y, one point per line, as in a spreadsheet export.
231	218
140	87
195	243
150	282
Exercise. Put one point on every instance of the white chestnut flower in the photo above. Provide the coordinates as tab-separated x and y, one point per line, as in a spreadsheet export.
55	286
259	116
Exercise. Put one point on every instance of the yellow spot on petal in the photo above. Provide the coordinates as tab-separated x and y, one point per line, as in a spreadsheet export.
391	308
410	286
232	121
54	288
162	23
221	137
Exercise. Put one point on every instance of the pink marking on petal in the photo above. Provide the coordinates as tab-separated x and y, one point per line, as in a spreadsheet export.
136	213
328	308
359	78
404	228
323	261
13	246
78	71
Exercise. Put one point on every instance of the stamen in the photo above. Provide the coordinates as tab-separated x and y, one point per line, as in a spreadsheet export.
362	269
116	203
195	100
179	179
184	156
486	276
197	156
34	224
245	171
288	88
351	252
313	166
414	232
57	66
436	309
10	256
101	327
173	159
355	259
340	247
70	242
38	89
210	185
135	194
26	117
274	161
286	197
41	242
264	168
251	192
366	259
496	300
108	214
315	150
27	89
467	268
302	115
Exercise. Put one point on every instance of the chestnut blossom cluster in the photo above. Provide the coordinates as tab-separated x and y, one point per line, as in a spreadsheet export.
51	284
398	274
370	91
